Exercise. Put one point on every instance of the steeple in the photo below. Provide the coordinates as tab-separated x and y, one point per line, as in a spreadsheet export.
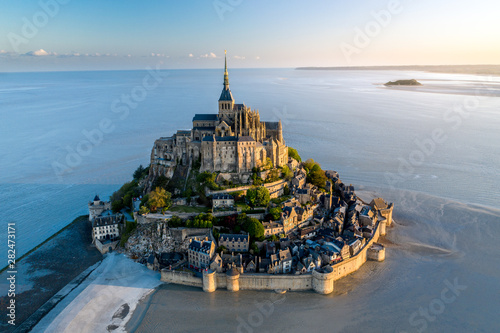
226	78
226	100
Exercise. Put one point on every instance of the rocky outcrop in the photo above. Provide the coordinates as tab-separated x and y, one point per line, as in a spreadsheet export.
154	238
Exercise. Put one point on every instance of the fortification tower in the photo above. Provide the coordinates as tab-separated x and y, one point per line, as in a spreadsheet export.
209	281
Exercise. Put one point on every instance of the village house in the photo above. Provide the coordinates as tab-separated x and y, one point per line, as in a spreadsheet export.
106	228
222	200
235	242
200	253
272	228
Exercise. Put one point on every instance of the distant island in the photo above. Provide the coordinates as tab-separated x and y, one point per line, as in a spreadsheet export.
452	69
411	82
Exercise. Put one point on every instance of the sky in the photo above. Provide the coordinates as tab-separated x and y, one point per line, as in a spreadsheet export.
50	35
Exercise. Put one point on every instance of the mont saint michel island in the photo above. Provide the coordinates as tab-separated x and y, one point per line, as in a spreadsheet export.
228	205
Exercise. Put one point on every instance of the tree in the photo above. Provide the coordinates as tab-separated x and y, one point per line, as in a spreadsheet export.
294	154
138	172
274	238
287	173
275	213
315	175
254	228
258	196
175	222
143	210
286	190
159	198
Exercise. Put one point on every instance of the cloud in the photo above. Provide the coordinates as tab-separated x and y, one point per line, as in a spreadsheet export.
4	53
257	57
190	55
239	57
38	53
208	55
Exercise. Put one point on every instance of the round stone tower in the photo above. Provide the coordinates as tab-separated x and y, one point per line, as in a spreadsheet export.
209	281
376	252
322	281
232	279
383	226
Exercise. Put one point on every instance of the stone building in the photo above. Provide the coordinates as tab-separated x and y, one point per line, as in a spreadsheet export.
97	207
106	227
233	141
200	253
235	242
222	200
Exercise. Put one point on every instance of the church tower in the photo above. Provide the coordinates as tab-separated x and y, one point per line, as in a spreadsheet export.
226	100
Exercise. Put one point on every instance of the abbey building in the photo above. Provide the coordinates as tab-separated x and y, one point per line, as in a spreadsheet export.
232	141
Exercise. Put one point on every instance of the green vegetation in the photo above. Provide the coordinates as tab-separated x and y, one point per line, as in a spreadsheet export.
123	197
315	175
141	172
203	220
411	82
254	228
189	209
275	213
175	222
287	173
280	200
294	154
159	198
129	229
208	179
273	238
258	196
144	210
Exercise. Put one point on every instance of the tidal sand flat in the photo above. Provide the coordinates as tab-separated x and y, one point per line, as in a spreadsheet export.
105	300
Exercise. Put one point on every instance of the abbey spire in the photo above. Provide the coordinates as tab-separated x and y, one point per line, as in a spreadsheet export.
226	95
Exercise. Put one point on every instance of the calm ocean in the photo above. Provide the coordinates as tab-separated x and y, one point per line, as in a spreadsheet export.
433	150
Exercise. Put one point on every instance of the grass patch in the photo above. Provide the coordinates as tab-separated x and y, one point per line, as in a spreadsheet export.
189	209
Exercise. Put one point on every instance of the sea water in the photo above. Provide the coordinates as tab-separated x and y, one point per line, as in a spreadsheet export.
433	150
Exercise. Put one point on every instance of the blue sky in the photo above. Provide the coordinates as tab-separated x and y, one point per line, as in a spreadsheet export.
76	35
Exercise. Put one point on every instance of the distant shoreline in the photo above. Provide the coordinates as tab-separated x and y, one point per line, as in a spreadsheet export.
449	69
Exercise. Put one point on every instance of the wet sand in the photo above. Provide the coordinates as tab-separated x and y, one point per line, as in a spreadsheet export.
48	269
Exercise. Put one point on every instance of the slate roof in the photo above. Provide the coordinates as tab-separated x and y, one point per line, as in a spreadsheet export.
272	125
105	220
211	129
206	116
210	138
219	196
245	139
96	198
226	95
198	246
235	237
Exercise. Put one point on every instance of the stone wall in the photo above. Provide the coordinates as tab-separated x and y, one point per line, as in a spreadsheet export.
184	278
321	282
